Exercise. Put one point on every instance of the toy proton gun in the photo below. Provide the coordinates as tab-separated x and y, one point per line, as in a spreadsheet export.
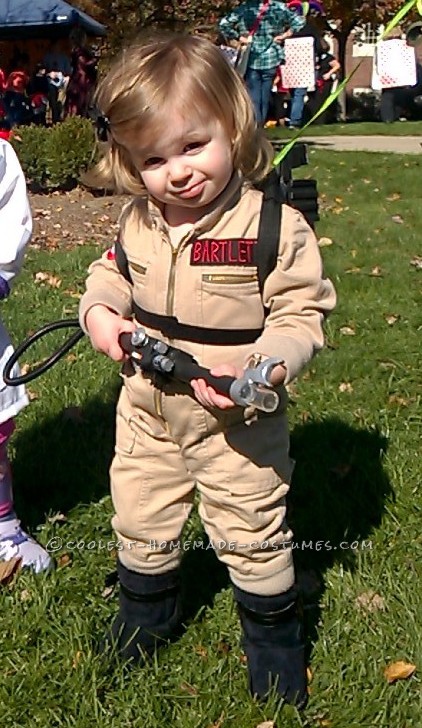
155	356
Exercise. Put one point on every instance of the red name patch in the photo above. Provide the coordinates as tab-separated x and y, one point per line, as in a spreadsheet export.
232	251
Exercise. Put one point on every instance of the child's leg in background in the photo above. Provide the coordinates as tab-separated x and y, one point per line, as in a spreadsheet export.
13	540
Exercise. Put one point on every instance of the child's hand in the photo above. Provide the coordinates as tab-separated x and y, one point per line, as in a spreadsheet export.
104	328
207	395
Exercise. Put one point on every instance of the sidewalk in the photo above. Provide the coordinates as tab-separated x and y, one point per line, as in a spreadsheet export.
395	144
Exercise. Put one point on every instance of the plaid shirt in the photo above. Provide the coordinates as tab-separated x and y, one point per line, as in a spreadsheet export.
265	54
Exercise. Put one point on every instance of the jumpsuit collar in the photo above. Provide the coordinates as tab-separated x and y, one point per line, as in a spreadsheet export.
227	199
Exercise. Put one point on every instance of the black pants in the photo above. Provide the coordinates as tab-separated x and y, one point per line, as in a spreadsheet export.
55	105
388	108
317	99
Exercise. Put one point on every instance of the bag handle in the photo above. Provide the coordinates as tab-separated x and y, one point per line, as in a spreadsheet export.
262	10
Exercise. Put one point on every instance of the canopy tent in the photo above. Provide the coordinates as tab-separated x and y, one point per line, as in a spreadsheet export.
21	19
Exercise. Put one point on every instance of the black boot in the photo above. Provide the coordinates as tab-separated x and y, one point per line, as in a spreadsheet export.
149	613
274	645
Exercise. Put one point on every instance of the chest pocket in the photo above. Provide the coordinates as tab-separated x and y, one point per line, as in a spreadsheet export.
231	299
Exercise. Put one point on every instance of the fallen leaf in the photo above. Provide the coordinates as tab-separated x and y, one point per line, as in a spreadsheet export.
108	591
402	401
391	318
393	197
25	595
398	219
370	601
355	269
218	723
201	651
42	277
309	674
267	724
345	387
77	659
376	271
64	560
347	331
222	647
417	262
57	518
8	569
324	242
399	671
191	689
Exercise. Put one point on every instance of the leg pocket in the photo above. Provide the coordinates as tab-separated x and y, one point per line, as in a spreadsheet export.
125	435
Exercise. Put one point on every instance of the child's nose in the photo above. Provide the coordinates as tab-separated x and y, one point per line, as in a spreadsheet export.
179	169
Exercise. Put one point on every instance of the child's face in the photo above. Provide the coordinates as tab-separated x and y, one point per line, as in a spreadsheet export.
188	167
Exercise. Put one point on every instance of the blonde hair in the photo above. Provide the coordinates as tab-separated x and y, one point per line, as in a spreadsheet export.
167	74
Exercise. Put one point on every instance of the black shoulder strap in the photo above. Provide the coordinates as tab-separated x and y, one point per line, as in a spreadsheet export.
121	261
269	228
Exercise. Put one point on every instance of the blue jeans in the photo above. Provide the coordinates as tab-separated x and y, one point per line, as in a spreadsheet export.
298	102
259	84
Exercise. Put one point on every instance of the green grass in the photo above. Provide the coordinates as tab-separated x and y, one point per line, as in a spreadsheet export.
352	128
356	436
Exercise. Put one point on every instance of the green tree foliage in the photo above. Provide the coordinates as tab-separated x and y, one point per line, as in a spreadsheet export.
126	18
344	15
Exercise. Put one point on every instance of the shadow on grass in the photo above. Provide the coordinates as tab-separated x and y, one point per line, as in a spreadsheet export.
338	493
337	499
337	496
63	461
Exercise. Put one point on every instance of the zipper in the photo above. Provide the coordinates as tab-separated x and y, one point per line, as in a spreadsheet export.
172	276
229	278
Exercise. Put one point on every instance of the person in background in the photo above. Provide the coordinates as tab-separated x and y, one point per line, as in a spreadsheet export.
38	87
16	229
327	69
276	24
389	107
298	95
82	79
59	68
15	96
279	98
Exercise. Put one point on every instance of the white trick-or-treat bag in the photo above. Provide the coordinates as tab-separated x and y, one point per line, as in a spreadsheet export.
394	64
299	69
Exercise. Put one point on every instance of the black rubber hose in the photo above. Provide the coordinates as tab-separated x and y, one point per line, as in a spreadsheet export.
47	363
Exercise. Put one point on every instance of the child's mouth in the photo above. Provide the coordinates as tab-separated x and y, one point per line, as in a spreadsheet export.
192	191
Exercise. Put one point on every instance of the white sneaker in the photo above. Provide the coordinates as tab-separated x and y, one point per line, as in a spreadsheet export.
14	542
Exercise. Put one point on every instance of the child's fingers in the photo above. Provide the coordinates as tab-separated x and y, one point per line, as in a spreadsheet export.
208	397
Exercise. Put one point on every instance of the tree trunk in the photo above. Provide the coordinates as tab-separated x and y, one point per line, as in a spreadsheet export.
342	37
